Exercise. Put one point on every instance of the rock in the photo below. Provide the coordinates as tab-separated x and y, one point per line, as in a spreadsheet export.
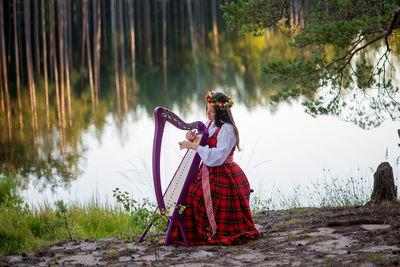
374	227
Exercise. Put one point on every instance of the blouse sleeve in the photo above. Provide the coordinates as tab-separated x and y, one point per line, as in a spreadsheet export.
216	156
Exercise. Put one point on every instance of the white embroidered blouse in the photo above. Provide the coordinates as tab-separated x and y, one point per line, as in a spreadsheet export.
226	140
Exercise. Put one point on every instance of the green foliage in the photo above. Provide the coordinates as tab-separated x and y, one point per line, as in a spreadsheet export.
13	211
24	228
328	192
363	74
258	205
9	193
374	257
13	235
347	26
141	214
252	16
63	213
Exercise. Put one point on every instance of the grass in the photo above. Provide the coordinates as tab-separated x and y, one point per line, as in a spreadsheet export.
328	260
290	235
277	226
314	239
113	255
330	192
24	228
374	257
293	221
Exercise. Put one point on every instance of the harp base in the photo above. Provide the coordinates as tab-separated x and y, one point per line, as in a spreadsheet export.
166	242
145	232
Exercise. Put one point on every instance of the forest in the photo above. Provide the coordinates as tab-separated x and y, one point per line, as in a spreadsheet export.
65	63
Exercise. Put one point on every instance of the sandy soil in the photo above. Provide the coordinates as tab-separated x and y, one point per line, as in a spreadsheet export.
360	236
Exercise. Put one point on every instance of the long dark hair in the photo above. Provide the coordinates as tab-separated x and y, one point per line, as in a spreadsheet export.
225	116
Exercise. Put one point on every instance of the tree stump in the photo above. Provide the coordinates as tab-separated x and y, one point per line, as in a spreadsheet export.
398	131
384	188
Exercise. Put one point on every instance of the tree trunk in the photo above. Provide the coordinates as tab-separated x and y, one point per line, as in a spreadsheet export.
384	188
45	66
206	19
31	80
192	40
89	63
147	28
69	39
293	16
54	59
16	44
139	29
197	23
175	17
52	40
2	105
60	10
182	23
115	51
121	30
67	60
170	29
156	33
3	135
104	25
56	81
77	12
36	26
164	17
3	61
202	26
215	35
84	22
132	35
22	60
97	43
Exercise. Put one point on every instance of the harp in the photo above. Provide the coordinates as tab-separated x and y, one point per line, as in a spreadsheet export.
175	195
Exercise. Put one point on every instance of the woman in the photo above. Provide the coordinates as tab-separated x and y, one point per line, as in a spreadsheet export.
217	206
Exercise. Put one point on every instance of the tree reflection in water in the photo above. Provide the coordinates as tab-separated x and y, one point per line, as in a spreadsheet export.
52	156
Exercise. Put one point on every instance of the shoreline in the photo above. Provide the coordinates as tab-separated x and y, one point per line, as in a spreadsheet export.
368	234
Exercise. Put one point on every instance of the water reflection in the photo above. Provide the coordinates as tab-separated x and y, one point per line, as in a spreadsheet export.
106	78
365	105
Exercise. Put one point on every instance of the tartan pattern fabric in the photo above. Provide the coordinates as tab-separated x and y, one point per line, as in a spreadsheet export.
205	184
230	192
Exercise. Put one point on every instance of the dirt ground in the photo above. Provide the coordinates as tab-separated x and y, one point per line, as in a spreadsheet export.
360	236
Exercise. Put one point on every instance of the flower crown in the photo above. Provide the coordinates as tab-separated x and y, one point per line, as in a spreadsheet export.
220	105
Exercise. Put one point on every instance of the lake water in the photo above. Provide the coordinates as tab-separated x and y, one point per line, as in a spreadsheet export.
279	150
91	145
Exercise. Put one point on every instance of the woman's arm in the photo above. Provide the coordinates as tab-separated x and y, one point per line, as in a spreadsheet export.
188	145
190	135
216	156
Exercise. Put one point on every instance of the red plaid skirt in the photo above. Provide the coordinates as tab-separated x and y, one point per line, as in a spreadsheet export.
230	192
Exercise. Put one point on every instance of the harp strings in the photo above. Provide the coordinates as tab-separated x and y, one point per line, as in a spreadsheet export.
171	156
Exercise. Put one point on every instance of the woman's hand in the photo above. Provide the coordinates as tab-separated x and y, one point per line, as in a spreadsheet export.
188	145
190	135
